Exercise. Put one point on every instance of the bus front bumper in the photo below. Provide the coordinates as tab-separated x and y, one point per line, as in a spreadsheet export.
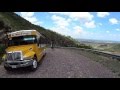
18	64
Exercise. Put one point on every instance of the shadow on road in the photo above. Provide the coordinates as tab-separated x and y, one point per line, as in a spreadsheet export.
24	70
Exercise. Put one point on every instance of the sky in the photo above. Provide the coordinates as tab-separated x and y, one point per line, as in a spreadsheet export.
79	25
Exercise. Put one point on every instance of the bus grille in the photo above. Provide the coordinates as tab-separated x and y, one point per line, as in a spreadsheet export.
14	56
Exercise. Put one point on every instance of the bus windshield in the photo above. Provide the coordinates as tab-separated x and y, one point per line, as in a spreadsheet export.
22	40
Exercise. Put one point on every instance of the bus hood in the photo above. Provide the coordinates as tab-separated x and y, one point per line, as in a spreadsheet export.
23	48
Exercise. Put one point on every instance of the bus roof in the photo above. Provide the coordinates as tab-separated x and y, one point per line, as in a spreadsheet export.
23	33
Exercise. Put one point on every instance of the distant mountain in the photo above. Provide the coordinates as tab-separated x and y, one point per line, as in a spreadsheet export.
16	22
96	41
106	45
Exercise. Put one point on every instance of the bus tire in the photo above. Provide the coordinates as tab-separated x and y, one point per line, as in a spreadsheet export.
7	68
34	65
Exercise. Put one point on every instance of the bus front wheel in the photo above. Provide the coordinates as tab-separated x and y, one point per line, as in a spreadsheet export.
34	64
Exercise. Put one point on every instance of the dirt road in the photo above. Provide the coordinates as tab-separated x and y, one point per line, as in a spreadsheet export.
62	63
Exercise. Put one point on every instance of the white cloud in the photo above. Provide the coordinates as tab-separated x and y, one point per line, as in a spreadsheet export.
61	25
30	16
78	32
81	15
62	30
108	31
60	21
78	29
75	32
117	29
102	14
86	16
113	21
90	24
91	33
27	14
112	35
100	24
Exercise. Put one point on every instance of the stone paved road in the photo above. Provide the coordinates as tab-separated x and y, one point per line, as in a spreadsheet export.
62	63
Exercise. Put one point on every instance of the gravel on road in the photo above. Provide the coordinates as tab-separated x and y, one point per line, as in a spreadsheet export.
62	63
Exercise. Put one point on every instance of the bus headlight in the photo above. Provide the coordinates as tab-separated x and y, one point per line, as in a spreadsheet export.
27	58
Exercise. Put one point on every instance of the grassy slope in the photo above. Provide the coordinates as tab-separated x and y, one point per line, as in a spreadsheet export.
113	47
18	23
111	64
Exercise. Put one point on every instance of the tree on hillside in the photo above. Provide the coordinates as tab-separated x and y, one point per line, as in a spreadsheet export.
1	25
18	23
4	29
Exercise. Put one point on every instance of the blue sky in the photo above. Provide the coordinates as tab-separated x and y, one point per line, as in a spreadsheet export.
83	25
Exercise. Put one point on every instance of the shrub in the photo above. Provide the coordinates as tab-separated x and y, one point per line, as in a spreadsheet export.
84	46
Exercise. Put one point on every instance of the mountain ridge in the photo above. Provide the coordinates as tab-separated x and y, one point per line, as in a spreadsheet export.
16	22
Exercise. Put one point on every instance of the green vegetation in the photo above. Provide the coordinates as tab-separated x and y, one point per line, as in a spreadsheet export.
84	46
112	64
18	23
110	47
114	48
2	47
15	22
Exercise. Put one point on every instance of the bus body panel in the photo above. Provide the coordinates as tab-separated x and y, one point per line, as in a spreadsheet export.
29	51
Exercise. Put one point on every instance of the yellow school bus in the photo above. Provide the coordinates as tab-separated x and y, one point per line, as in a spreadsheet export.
25	49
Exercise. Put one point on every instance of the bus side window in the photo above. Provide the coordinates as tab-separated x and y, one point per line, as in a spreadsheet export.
42	42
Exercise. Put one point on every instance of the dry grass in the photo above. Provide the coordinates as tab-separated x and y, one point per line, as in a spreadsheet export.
110	63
